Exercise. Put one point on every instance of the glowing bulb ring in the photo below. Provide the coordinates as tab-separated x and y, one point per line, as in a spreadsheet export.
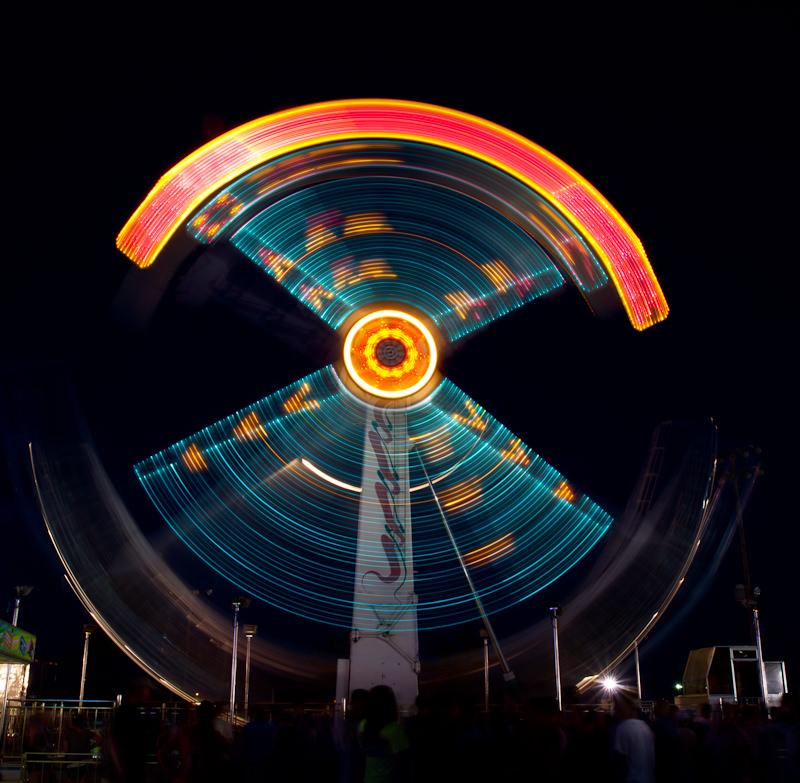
372	352
390	381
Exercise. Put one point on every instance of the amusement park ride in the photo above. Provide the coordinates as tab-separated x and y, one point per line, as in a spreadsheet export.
401	229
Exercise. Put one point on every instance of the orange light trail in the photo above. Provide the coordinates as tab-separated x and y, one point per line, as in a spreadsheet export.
298	402
490	553
373	268
499	274
250	428
193	459
516	452
474	420
564	491
366	223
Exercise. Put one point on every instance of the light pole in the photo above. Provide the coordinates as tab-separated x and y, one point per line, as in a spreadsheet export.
759	653
236	605
88	630
485	637
19	592
555	613
748	596
249	631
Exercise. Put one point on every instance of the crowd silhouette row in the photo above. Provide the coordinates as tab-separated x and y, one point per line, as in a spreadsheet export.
446	740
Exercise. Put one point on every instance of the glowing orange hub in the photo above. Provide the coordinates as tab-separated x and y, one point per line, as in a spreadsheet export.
390	353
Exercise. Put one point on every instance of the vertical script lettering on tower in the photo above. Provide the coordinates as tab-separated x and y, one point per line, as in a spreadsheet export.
384	585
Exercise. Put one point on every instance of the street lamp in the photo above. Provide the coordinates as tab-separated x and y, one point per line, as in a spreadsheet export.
555	613
746	594
609	684
638	670
485	637
249	631
19	592
88	630
236	605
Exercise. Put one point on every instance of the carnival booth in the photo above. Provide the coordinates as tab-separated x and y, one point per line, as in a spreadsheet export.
17	648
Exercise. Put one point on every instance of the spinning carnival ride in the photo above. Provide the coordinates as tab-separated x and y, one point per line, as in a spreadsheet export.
403	228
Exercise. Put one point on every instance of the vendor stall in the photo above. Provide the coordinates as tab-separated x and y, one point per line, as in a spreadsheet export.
17	649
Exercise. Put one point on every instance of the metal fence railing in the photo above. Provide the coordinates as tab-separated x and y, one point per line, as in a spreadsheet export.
42	727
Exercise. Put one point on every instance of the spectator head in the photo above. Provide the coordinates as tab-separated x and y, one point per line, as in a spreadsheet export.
626	704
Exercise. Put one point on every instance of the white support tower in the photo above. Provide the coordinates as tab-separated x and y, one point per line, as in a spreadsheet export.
384	646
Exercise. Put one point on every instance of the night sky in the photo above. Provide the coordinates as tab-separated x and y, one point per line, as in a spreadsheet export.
683	123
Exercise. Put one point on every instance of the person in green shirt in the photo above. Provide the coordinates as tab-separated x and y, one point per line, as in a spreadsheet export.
384	740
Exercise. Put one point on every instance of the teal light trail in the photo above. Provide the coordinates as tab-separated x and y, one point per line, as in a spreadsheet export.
241	497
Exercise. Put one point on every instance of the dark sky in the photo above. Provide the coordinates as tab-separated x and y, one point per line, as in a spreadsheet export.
683	122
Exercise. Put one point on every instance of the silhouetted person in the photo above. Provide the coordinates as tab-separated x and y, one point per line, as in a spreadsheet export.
289	760
205	755
37	743
665	735
728	749
634	746
421	737
351	756
256	746
387	757
170	760
545	743
132	737
77	743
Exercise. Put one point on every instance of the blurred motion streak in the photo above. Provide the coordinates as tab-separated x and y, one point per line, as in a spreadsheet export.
490	552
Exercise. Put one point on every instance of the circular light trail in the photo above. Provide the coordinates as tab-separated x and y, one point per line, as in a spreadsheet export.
350	206
196	178
390	354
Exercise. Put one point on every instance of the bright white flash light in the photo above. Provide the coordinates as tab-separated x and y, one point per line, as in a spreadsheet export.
609	683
